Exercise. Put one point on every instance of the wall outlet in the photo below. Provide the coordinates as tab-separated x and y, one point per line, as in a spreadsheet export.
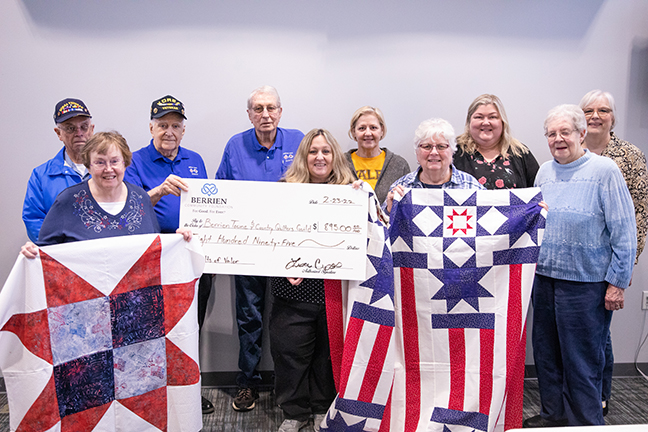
644	300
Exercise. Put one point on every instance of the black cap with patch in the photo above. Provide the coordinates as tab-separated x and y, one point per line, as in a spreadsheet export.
68	108
167	104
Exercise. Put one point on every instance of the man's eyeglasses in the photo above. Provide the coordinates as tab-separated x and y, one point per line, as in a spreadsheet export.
270	108
71	129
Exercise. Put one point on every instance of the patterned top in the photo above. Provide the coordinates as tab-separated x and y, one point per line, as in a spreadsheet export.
308	291
500	173
632	163
75	216
458	180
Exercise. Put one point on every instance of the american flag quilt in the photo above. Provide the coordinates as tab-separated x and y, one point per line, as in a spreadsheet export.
442	347
102	335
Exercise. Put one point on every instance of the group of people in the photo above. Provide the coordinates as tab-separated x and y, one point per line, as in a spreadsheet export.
596	226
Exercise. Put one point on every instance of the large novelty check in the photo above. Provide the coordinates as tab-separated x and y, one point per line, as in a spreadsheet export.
278	229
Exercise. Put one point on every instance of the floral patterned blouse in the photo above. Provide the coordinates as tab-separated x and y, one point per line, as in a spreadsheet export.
500	173
75	216
632	163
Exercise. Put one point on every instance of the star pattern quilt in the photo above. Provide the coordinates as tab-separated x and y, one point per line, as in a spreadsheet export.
102	335
434	339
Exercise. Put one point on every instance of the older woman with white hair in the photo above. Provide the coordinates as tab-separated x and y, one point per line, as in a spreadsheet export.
434	141
600	113
585	264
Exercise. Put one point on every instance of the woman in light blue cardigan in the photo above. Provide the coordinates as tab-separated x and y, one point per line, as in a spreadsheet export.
585	264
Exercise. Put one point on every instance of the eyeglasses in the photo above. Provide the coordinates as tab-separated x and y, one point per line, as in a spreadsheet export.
428	147
270	108
102	164
551	136
71	129
602	112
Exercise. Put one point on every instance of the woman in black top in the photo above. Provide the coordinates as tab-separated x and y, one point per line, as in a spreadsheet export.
487	150
304	383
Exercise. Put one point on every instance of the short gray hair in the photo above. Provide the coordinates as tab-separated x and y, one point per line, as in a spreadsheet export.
434	127
572	113
593	95
265	89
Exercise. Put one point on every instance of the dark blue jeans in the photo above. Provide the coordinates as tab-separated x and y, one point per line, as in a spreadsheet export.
608	369
570	328
250	300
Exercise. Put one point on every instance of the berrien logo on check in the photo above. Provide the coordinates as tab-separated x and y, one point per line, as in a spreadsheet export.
209	189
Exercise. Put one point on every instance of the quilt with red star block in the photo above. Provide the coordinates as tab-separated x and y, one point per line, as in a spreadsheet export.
102	335
434	339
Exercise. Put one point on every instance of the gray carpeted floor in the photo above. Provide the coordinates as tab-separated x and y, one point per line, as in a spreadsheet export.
629	405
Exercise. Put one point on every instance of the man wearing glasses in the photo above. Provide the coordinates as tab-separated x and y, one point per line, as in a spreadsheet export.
262	153
159	169
74	128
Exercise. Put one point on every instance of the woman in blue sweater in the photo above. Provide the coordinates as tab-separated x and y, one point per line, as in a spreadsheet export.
585	264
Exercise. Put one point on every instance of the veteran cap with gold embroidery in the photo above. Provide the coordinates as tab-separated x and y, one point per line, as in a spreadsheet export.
68	108
165	105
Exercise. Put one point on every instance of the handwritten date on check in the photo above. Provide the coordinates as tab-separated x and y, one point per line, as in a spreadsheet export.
278	229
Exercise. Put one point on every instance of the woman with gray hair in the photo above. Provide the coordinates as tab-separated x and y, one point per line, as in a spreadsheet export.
600	113
585	264
434	141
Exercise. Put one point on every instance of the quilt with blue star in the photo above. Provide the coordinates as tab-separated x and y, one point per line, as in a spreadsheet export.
434	339
102	335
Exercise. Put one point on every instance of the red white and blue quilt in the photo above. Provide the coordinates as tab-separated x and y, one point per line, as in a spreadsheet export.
434	338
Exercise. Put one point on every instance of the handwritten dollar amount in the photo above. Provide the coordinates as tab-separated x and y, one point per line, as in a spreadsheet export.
342	228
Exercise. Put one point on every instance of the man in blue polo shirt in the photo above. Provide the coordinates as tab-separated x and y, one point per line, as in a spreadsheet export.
74	128
159	169
262	153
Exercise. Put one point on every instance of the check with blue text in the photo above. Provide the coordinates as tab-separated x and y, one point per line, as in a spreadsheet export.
278	229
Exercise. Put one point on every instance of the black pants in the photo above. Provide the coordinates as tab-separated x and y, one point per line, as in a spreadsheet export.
300	350
204	289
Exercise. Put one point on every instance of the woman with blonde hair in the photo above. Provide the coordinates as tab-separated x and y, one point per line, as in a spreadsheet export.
300	171
299	343
376	165
488	151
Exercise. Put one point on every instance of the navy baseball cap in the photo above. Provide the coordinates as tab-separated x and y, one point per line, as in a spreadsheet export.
165	105
68	108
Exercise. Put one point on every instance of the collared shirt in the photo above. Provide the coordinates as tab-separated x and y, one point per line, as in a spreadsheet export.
79	168
149	169
458	180
245	158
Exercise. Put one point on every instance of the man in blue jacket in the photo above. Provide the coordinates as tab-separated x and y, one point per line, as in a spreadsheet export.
262	153
74	128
